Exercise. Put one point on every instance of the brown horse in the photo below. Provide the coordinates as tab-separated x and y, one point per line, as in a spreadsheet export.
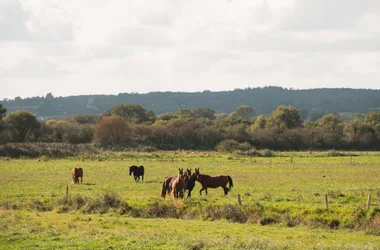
208	181
168	181
177	185
75	174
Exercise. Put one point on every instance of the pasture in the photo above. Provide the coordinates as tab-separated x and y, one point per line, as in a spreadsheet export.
283	202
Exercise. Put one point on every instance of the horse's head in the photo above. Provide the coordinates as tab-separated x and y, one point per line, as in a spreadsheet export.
180	172
196	172
130	170
188	172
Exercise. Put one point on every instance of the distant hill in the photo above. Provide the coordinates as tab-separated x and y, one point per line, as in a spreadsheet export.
263	100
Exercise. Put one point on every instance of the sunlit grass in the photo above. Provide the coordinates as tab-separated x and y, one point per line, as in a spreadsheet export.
50	230
290	189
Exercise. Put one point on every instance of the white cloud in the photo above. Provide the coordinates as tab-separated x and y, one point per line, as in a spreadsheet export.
94	46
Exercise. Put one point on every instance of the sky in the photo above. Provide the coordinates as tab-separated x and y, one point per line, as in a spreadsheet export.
76	47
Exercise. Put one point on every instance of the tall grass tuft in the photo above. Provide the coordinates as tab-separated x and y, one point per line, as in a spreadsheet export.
109	202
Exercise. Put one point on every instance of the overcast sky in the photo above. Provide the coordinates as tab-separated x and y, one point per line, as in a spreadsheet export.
71	47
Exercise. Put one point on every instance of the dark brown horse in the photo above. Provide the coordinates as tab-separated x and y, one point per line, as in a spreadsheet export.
75	174
190	183
208	181
177	185
137	172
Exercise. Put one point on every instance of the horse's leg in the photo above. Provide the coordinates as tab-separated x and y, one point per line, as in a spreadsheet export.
206	190
225	190
200	191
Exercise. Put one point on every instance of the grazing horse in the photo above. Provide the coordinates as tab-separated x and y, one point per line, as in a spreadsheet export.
189	185
177	185
137	172
75	174
208	181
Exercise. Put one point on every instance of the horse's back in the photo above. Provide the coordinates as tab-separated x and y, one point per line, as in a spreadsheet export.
214	181
77	171
142	170
137	170
80	172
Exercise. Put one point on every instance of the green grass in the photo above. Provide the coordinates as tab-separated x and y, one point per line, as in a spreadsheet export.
49	230
283	202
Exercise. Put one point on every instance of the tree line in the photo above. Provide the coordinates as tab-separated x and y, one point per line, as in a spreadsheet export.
132	126
312	103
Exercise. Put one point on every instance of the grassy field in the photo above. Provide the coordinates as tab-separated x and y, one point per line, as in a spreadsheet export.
283	203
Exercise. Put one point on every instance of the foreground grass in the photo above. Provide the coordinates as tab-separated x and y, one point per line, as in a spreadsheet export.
283	202
49	230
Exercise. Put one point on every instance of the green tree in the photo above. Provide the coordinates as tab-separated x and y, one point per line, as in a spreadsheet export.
245	111
85	119
3	111
186	113
21	125
134	112
260	123
167	116
205	112
329	131
286	117
329	121
372	118
49	96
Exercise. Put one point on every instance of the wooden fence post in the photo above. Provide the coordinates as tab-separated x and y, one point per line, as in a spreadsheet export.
67	191
327	201
239	199
368	201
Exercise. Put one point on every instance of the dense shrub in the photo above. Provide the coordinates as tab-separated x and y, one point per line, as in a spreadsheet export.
111	130
38	149
229	146
79	134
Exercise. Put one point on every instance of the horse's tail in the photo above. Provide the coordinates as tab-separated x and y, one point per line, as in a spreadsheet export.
230	181
163	191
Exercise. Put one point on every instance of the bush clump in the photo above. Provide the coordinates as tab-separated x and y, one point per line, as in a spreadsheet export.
109	202
52	150
230	145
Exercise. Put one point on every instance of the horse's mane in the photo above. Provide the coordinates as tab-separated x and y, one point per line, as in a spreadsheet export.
193	177
204	175
136	167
